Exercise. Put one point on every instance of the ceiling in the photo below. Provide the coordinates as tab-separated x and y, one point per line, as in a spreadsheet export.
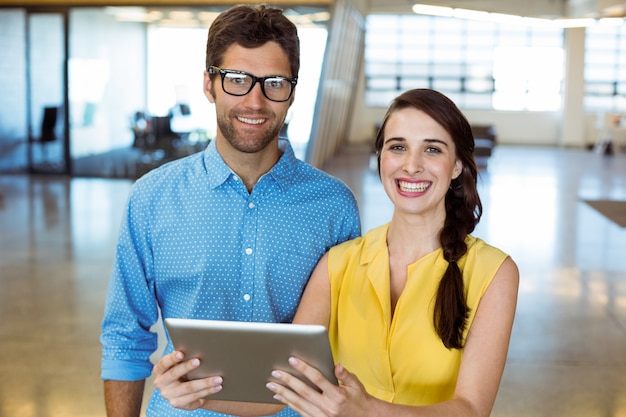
189	16
315	12
551	9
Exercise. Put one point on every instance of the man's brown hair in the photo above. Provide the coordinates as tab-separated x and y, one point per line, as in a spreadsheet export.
252	26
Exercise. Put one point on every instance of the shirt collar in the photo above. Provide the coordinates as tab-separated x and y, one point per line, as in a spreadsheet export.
375	243
283	172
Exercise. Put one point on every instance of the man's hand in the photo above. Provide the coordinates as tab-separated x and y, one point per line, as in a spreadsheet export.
170	378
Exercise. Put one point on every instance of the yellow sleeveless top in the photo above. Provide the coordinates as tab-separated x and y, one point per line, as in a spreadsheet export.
403	360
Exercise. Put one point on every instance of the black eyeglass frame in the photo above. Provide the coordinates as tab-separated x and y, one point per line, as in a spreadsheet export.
212	70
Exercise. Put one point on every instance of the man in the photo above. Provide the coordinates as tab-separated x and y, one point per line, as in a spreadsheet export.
233	232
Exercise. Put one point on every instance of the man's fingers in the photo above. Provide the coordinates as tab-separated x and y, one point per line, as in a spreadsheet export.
167	362
165	376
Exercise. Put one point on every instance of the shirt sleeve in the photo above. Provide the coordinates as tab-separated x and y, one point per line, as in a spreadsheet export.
351	227
131	308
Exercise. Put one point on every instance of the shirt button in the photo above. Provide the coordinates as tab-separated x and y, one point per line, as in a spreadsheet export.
248	251
246	297
236	178
251	205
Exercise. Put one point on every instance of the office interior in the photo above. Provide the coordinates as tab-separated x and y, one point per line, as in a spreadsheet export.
84	113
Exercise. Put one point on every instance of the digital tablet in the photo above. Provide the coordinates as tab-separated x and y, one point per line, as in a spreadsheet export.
245	354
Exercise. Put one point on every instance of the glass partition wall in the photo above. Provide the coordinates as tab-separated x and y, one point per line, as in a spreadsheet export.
47	139
136	94
107	83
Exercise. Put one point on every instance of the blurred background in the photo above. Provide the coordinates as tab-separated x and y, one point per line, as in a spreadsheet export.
94	95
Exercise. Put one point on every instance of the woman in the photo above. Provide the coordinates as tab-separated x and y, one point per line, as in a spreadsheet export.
418	310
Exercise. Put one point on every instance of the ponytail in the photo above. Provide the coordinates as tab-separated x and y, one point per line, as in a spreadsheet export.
451	310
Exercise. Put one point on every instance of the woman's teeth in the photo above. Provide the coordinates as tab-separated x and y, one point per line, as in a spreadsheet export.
413	187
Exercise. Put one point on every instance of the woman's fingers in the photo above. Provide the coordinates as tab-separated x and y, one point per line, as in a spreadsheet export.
312	374
299	395
349	398
286	390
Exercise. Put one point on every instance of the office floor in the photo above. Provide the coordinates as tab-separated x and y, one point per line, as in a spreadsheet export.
568	349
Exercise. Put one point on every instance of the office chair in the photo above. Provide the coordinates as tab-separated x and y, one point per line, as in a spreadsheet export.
47	135
48	124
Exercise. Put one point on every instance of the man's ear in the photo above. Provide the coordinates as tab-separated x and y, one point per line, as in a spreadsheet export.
293	96
208	87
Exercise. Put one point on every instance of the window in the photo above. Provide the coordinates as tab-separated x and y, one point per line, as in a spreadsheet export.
605	68
521	84
482	65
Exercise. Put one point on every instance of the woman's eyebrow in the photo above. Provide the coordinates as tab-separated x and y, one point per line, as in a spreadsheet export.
395	139
428	140
440	141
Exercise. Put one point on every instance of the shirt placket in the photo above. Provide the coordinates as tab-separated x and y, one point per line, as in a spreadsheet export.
248	261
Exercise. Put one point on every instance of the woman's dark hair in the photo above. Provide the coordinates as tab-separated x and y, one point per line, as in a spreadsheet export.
252	26
463	207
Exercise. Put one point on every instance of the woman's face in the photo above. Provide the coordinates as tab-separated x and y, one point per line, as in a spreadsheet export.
417	163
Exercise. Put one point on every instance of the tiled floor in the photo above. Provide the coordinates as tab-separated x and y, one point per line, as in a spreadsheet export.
568	350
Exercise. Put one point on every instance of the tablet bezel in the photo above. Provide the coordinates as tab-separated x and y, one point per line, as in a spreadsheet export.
245	353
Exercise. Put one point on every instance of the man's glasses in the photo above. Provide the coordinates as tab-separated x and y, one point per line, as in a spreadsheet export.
240	83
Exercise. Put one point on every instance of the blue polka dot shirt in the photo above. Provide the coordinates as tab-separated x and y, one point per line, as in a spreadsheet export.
194	243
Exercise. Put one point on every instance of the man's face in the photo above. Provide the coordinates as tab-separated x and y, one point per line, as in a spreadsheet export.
251	122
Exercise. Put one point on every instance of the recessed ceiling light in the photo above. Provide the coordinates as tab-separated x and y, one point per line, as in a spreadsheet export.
432	10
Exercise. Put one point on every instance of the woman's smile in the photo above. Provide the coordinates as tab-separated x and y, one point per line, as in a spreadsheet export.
408	186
